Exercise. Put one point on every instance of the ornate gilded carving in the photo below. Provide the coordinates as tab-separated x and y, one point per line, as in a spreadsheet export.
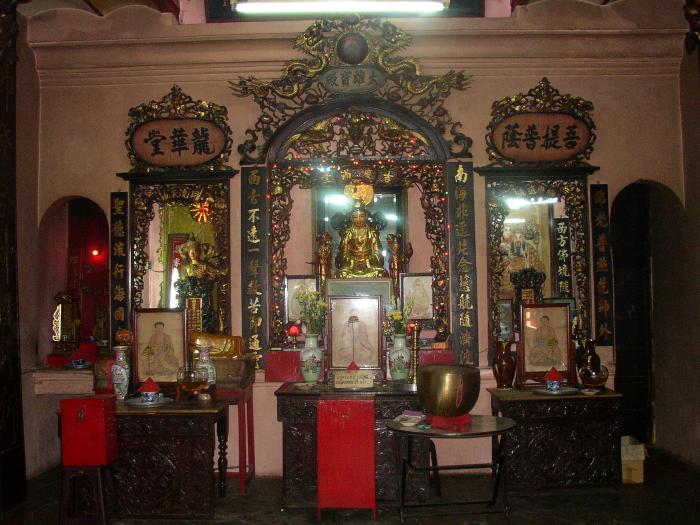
573	192
178	105
349	57
543	98
143	199
428	178
357	133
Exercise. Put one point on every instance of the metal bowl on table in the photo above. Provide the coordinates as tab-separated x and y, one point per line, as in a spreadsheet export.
448	390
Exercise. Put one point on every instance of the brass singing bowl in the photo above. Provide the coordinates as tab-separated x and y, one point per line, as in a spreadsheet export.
448	390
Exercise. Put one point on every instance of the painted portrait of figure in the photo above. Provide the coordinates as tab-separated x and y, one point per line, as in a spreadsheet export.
526	244
355	334
160	344
546	337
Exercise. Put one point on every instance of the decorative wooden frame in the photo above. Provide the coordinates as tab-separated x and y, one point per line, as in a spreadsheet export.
340	310
536	337
426	279
145	190
288	281
360	287
303	123
144	322
568	184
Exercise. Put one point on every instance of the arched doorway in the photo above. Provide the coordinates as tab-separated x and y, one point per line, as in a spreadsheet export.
74	236
648	229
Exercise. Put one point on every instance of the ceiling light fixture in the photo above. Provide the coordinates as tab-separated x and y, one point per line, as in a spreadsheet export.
356	6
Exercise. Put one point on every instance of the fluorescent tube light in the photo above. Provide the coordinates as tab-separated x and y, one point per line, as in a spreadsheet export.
356	6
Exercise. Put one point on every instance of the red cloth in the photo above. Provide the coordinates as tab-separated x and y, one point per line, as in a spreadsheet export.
149	386
436	357
553	375
457	423
282	366
86	350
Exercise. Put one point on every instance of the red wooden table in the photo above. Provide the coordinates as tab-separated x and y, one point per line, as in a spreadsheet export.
243	398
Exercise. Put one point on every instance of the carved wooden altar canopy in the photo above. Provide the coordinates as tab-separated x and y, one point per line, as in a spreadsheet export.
355	112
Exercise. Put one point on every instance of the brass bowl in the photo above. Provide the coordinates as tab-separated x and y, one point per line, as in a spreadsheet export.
592	379
448	390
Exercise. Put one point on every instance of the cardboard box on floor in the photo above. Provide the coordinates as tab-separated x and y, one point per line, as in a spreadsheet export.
633	455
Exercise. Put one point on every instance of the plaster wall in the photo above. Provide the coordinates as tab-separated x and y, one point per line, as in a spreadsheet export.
676	330
91	70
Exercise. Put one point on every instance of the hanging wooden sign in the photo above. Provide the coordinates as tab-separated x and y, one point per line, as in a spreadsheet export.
178	142
541	137
178	133
540	128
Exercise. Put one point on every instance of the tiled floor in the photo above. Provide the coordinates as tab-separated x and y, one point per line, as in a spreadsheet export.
669	496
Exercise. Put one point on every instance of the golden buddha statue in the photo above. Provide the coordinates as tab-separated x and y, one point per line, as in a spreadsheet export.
360	250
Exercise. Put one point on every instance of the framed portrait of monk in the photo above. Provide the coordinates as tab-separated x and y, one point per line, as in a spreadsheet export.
545	342
355	333
160	344
417	287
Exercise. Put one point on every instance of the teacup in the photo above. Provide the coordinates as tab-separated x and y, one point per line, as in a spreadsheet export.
553	386
150	397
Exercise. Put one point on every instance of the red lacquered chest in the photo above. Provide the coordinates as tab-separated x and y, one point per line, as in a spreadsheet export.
88	431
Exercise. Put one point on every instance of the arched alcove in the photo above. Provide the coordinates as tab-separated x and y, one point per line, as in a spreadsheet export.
649	240
74	245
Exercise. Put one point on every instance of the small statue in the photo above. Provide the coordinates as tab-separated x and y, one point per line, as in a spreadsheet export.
197	279
398	261
323	257
360	251
442	333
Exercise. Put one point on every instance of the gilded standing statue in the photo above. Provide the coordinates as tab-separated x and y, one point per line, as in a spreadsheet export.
398	261
197	278
324	244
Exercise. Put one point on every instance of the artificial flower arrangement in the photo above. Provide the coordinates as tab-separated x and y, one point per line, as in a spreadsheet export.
399	320
313	311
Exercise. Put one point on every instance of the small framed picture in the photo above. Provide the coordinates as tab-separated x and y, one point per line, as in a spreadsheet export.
505	319
295	285
161	344
355	333
418	287
545	343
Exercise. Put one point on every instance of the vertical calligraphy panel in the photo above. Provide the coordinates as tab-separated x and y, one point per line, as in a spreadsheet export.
254	268
562	255
460	188
602	265
118	269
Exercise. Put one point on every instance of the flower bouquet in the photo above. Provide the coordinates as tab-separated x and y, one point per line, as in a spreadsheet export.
313	311
398	319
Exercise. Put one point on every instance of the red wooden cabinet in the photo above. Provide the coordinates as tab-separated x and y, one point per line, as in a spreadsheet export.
88	431
345	444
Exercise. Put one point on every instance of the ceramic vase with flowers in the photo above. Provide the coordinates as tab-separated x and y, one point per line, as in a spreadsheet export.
399	355
313	316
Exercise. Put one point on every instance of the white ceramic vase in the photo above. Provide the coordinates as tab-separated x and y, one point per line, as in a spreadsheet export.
399	359
119	372
206	364
310	359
